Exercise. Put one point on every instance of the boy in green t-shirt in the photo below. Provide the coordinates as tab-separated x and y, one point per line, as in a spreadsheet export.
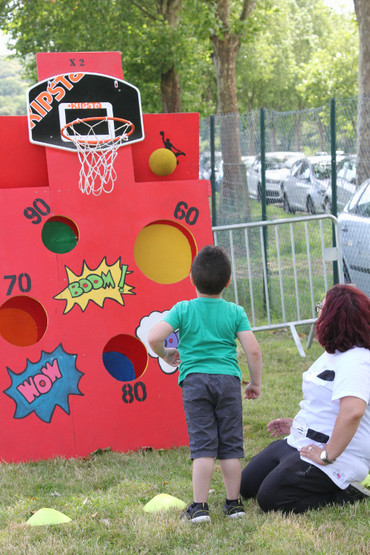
210	377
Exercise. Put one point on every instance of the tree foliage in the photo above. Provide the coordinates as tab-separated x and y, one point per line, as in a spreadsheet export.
302	54
291	53
12	89
150	46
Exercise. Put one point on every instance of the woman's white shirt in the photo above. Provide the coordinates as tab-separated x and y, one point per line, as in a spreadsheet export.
330	378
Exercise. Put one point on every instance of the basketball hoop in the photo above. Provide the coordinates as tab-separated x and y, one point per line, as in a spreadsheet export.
97	154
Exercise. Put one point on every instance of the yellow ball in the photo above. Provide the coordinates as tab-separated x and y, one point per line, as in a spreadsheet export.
162	161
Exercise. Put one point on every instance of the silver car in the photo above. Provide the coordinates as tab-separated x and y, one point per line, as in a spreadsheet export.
346	182
305	188
354	225
277	168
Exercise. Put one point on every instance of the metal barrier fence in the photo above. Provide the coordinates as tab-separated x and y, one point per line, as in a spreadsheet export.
281	269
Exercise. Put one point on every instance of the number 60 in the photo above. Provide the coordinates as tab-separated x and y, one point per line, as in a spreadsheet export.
183	211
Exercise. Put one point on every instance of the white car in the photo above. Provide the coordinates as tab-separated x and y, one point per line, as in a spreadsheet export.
277	168
305	188
354	226
346	181
247	161
205	170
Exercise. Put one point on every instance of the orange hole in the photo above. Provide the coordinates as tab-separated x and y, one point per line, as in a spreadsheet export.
23	321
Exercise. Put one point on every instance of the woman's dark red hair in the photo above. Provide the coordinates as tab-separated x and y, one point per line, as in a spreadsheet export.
344	320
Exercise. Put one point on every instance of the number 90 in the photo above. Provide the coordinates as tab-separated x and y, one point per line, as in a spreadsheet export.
39	208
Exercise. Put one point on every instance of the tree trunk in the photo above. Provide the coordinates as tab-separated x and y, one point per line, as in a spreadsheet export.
170	83
234	202
233	190
226	50
362	8
170	89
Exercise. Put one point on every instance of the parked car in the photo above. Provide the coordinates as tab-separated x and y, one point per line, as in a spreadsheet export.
346	182
205	169
306	186
277	168
248	161
354	226
205	164
219	172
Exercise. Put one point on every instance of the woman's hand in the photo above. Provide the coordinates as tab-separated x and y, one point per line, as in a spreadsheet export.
280	426
313	453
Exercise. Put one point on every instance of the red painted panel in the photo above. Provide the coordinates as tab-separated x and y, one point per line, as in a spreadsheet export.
57	397
55	63
23	164
178	131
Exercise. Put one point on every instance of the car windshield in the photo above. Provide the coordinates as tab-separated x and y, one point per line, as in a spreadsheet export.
321	170
276	163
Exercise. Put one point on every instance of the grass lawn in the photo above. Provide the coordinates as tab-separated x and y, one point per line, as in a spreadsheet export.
105	493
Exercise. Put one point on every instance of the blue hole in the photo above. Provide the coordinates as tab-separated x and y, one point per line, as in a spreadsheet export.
119	366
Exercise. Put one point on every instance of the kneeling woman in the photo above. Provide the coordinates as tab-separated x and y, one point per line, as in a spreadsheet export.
326	453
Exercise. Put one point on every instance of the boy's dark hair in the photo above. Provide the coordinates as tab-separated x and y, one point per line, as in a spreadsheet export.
211	270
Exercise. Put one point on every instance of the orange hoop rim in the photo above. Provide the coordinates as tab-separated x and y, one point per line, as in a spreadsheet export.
98	118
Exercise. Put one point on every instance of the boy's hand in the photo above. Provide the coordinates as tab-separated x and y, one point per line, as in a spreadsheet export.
252	391
156	338
172	357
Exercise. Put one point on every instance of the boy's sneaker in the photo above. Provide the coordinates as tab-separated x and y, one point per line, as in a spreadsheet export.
234	508
197	512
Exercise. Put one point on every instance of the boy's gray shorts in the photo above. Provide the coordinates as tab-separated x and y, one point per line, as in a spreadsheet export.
214	415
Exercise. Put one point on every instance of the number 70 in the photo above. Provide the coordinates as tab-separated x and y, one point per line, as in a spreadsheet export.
24	283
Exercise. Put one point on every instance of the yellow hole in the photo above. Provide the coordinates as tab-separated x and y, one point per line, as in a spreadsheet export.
163	253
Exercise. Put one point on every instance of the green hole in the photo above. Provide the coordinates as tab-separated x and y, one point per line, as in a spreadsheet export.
59	236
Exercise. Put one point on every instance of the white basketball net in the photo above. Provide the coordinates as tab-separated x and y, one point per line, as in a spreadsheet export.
97	173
